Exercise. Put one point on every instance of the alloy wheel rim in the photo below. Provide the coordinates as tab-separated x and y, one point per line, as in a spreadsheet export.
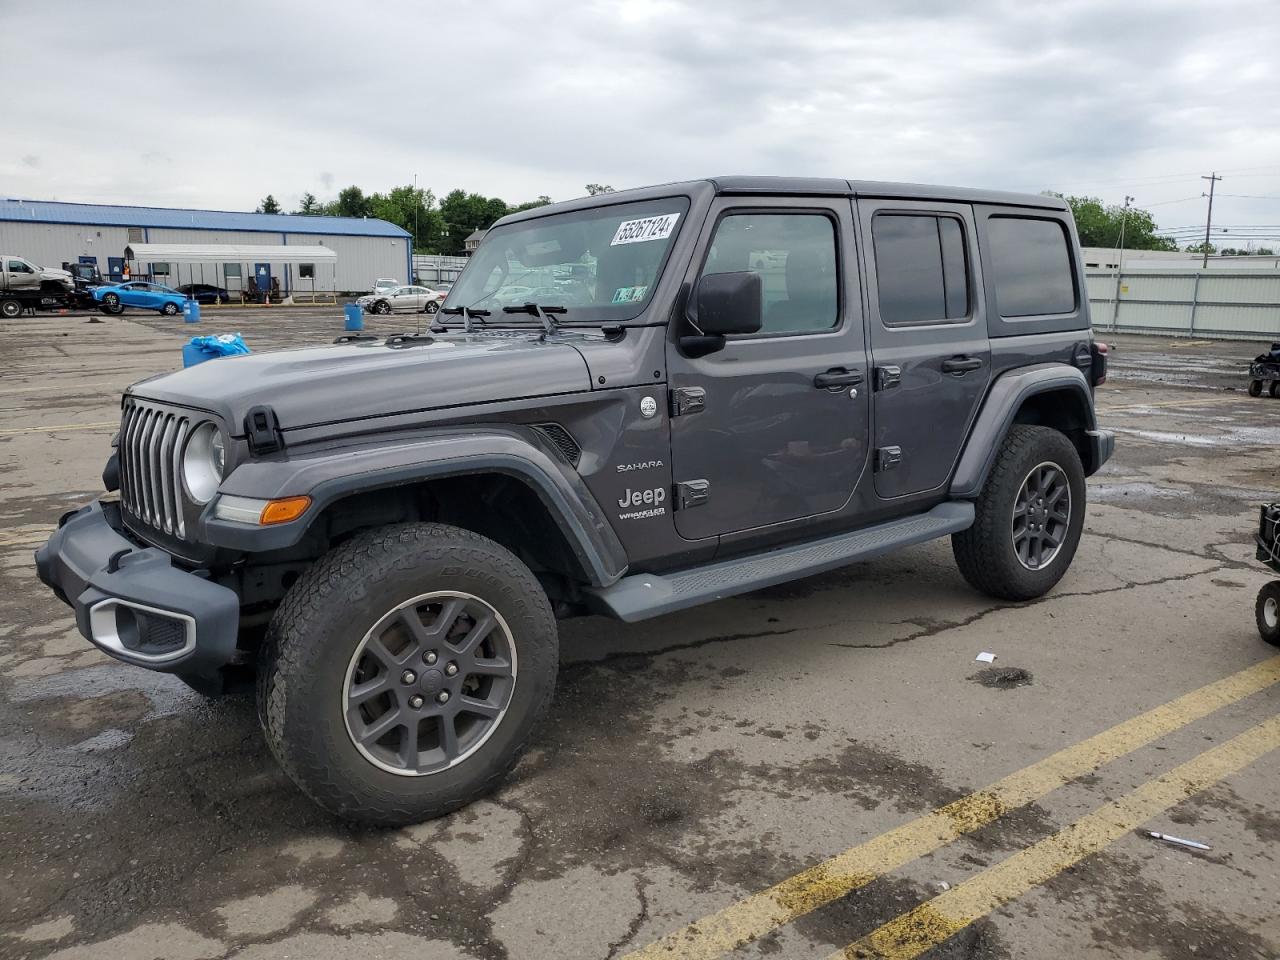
1041	515
1271	613
429	683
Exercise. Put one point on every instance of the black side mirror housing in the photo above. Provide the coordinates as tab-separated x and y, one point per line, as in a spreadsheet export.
728	303
721	304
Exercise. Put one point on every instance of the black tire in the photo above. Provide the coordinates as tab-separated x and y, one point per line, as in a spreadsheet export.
986	552
309	661
10	309
1267	613
169	309
432	307
382	307
1274	388
1255	388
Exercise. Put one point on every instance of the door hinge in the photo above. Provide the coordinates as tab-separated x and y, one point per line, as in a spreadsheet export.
888	377
887	458
692	493
685	400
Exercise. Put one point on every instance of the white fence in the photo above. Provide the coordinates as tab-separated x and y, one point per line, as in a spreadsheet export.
1225	304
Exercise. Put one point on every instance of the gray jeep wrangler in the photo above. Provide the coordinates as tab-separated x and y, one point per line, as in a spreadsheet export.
629	404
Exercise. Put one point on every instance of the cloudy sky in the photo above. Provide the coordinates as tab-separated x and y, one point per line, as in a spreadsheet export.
217	104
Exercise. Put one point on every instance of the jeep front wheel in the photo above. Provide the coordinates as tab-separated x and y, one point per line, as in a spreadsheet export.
1028	517
403	674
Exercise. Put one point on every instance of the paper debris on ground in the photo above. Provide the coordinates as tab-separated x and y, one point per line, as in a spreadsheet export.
985	657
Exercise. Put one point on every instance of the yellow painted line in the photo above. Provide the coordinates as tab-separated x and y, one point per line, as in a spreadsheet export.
756	915
71	387
59	428
27	538
933	922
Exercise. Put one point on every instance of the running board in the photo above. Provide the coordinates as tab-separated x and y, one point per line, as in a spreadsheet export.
645	595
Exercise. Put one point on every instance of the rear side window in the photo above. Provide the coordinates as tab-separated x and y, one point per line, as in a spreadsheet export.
922	273
1031	267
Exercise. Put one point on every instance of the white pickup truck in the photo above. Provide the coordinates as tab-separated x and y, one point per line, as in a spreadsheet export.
23	284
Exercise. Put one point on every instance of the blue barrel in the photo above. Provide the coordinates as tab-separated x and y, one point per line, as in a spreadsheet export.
191	312
355	316
191	355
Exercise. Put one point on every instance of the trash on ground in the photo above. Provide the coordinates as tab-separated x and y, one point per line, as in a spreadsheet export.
985	657
1194	844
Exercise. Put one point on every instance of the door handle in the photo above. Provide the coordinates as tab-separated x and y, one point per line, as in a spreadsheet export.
960	364
837	377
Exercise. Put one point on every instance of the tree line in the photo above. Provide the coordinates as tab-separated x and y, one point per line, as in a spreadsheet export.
436	226
1099	225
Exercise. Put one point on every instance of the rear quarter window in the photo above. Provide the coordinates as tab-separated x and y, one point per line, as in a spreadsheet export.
1031	266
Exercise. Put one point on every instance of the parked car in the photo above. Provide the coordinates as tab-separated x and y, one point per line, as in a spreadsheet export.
142	294
414	514
205	293
385	285
403	300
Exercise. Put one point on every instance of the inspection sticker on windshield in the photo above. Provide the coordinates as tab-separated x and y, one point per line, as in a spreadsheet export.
650	228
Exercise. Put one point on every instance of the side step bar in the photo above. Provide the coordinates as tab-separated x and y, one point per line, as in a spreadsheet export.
645	595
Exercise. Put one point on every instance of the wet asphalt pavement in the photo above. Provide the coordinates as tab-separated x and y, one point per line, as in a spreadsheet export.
694	762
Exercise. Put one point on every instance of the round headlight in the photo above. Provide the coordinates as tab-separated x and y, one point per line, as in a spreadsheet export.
203	463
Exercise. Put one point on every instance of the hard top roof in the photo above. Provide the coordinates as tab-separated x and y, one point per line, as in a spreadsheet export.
799	187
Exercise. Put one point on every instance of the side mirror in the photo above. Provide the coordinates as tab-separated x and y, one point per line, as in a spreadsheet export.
728	303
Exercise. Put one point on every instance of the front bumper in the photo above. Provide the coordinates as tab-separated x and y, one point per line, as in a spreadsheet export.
130	600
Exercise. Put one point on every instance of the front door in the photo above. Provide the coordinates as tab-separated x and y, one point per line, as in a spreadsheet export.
22	275
930	354
262	274
773	428
115	268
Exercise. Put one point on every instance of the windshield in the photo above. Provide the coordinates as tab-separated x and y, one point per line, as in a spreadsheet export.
601	263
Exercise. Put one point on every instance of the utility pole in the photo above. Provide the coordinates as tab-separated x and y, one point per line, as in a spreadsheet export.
1213	178
415	220
1124	218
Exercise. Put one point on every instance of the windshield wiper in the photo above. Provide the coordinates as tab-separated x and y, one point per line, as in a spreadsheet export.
545	314
467	314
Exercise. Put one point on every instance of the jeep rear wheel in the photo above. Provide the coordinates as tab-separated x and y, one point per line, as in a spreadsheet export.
1028	517
403	674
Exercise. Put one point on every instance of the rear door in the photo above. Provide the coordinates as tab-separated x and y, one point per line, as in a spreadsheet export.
773	428
931	359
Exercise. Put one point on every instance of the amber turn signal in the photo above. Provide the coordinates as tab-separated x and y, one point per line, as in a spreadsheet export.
284	510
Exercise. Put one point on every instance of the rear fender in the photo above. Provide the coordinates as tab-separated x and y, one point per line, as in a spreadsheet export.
1072	412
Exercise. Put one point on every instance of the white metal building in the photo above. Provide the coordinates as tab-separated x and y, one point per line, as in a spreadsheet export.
53	233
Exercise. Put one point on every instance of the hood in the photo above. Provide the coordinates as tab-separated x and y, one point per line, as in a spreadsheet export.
369	379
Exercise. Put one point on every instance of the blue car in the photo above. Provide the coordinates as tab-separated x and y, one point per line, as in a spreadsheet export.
139	293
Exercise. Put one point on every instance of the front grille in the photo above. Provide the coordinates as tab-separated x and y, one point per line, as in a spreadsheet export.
151	442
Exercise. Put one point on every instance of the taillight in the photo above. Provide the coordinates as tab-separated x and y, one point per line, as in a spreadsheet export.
1098	371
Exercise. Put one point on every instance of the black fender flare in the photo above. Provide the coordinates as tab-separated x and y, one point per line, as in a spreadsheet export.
999	410
330	473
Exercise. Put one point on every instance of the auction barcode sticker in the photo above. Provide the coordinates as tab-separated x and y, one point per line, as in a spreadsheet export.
650	228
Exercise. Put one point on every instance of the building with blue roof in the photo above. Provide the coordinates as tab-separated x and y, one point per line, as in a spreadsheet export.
51	233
